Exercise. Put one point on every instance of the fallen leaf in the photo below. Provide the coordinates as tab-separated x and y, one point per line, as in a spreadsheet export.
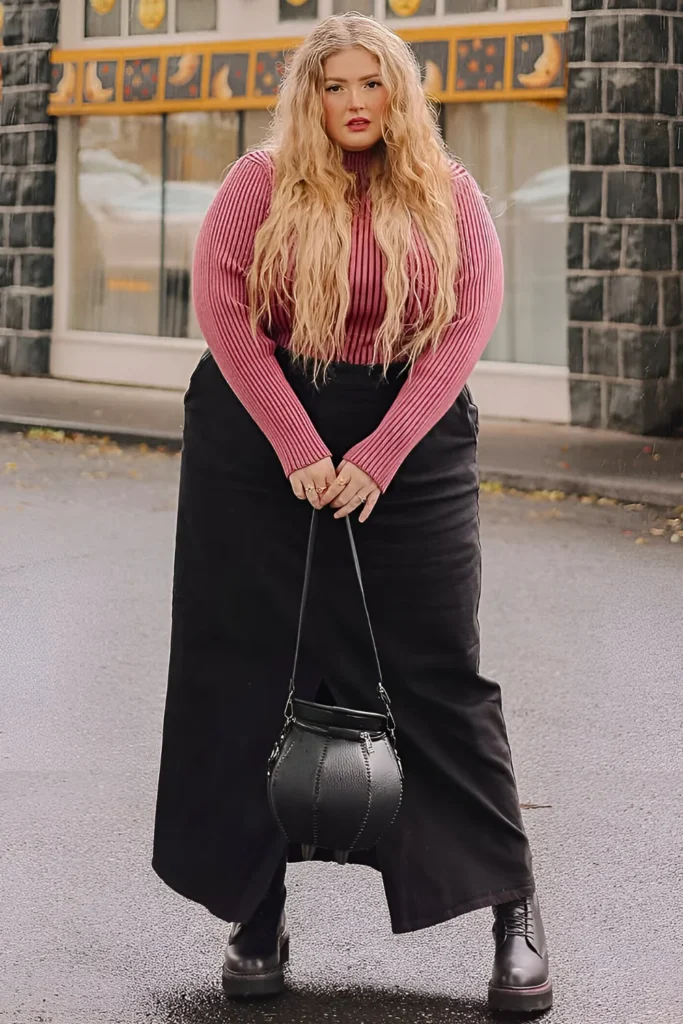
45	434
642	540
676	538
10	467
636	507
647	450
607	501
627	533
673	523
656	532
589	499
564	465
656	458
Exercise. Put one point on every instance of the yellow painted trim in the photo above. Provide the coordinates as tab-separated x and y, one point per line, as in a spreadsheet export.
450	34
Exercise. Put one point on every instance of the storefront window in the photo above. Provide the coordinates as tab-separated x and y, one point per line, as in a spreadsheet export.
103	17
517	153
195	15
143	187
148	16
116	238
360	6
199	149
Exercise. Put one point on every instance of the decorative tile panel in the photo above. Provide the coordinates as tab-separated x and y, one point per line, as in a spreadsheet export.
539	61
99	81
184	76
229	73
141	80
432	57
480	64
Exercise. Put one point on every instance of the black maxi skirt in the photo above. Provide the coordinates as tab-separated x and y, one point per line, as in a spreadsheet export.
458	843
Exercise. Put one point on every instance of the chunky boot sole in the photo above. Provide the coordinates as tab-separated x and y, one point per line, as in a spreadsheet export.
257	986
521	1000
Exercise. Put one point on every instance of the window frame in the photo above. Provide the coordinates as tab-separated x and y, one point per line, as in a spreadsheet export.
126	7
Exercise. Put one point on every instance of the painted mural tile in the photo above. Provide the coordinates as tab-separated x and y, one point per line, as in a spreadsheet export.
63	83
184	76
480	64
270	66
298	10
99	81
141	80
228	76
409	8
432	57
539	61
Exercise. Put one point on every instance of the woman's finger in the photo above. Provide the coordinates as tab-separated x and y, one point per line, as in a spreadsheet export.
350	491
298	488
336	488
356	501
370	503
310	491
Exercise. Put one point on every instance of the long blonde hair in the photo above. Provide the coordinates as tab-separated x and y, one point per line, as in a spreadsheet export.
302	249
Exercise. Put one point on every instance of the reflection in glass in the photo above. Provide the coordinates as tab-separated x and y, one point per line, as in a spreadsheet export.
523	5
517	153
102	18
359	6
255	128
148	16
196	15
200	148
116	248
140	200
472	6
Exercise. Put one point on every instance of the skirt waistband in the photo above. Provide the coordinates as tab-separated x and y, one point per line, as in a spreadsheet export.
356	374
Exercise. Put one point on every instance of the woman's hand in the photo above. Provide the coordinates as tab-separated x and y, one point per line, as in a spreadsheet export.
312	482
351	489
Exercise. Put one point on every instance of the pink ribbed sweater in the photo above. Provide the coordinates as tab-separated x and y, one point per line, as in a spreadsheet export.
222	257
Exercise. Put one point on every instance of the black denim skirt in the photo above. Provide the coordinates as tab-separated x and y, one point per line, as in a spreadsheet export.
458	843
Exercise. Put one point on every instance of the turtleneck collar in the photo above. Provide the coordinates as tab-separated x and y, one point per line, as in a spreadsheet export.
359	159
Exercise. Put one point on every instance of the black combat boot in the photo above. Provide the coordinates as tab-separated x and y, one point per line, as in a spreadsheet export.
257	951
521	977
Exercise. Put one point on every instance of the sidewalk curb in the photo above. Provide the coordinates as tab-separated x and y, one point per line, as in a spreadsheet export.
116	432
630	490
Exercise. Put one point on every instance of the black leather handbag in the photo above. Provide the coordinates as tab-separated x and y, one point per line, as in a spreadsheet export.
335	780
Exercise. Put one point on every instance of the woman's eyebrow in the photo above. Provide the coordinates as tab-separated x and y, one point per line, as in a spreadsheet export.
344	81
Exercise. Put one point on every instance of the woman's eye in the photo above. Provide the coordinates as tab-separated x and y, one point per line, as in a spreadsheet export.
373	84
332	88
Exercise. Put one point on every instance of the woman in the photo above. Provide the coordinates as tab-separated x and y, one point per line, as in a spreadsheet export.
347	278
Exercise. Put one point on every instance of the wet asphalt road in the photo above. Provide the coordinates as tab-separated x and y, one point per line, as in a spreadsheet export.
581	624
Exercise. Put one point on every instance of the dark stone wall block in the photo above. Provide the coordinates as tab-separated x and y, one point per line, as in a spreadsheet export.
632	194
633	299
585	296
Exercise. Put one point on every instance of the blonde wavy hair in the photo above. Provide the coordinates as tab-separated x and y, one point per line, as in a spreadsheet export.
302	249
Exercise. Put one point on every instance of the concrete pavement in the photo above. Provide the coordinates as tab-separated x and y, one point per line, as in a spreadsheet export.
523	455
580	623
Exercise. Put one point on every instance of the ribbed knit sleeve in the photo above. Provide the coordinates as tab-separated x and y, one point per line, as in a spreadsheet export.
223	254
440	374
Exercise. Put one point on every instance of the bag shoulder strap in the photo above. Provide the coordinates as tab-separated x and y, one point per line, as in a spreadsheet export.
304	600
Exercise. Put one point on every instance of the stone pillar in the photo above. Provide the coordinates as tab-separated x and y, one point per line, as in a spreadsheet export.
625	245
28	146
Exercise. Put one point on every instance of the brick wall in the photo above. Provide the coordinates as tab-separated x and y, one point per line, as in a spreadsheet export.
625	246
27	187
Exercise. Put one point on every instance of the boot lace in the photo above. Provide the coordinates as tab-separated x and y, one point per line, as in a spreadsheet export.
515	918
